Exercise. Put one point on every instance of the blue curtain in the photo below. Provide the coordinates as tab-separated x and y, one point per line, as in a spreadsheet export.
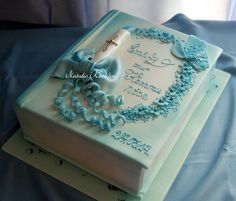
87	12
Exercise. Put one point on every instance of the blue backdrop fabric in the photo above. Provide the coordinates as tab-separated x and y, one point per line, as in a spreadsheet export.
209	172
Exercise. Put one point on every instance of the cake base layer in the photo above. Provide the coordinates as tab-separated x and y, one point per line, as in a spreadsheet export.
77	178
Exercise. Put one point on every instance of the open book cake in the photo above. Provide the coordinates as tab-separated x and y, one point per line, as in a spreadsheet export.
116	102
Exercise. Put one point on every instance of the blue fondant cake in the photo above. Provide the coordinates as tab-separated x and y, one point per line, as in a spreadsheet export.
116	102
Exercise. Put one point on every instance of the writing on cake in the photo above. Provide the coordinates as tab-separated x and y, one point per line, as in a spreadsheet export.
131	141
149	58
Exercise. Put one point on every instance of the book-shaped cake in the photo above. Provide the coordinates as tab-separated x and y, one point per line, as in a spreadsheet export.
116	102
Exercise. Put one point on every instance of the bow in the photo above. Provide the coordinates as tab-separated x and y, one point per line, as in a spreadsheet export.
80	63
193	52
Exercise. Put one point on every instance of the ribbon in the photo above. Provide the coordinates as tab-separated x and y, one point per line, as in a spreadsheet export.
105	71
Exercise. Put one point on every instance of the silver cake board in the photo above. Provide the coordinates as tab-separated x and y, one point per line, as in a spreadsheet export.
100	190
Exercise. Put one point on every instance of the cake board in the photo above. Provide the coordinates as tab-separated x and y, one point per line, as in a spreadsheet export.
100	190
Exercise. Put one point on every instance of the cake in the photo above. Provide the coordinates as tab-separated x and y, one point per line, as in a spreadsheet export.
116	102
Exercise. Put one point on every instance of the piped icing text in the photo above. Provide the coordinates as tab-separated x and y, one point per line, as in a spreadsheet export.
131	141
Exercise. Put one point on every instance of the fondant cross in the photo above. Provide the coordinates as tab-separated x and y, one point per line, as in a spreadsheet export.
111	42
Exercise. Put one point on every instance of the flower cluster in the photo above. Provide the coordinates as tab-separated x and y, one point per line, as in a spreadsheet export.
155	34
